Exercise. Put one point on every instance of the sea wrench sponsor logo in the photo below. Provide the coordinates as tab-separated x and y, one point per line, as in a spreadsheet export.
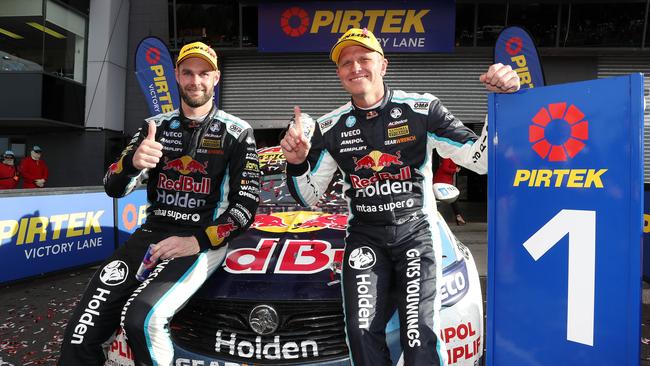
259	350
400	140
413	297
87	319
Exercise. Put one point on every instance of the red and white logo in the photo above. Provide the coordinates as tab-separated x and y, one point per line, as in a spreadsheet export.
558	133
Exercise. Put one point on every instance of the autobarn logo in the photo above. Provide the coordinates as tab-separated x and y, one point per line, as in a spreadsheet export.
262	349
362	258
114	273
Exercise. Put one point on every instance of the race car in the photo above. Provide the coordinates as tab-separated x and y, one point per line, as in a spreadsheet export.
276	300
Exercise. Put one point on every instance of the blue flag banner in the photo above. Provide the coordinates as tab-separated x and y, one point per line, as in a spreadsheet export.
564	208
516	48
154	69
45	233
413	26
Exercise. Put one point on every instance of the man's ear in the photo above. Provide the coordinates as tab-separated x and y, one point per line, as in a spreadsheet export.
217	77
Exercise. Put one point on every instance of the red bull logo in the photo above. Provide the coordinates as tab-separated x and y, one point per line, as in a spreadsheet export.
557	132
218	233
267	221
337	222
377	161
116	168
185	165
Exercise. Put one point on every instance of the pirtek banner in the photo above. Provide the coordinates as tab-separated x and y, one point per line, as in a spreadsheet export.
155	73
413	26
40	234
565	202
516	48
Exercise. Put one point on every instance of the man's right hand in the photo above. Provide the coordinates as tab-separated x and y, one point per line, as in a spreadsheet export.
149	152
295	145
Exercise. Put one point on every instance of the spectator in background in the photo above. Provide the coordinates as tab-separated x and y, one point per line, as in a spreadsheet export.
446	173
8	171
33	169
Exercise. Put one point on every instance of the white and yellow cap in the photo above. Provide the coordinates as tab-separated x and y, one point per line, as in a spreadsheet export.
355	37
200	50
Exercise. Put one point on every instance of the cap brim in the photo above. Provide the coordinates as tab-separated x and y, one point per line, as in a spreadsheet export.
338	48
206	59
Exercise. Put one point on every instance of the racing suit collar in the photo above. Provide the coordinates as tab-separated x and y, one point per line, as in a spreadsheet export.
373	112
191	123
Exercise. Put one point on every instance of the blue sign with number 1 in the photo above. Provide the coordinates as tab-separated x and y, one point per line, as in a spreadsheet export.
565	209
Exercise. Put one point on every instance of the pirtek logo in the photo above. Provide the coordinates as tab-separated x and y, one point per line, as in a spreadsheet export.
295	21
557	132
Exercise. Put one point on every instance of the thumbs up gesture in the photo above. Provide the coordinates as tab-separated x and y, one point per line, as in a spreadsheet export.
149	152
295	145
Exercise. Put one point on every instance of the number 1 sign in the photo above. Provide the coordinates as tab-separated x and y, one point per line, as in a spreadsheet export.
565	224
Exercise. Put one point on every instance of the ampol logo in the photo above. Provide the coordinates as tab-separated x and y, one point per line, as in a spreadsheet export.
557	132
294	21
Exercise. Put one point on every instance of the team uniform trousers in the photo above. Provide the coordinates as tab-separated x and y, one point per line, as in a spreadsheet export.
405	265
117	298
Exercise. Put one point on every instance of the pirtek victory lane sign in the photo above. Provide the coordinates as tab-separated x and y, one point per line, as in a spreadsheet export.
565	227
413	26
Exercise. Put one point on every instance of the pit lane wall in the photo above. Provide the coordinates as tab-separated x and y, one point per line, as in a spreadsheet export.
48	230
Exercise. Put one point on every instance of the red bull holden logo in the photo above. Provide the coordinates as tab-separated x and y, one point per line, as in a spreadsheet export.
557	132
185	165
377	161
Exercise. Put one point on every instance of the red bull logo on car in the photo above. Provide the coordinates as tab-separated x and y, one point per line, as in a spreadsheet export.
185	165
377	161
299	222
557	134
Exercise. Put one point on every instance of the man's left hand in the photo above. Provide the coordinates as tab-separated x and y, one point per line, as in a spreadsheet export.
175	247
501	78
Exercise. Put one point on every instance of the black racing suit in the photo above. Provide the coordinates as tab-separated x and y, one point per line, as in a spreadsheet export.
206	185
392	244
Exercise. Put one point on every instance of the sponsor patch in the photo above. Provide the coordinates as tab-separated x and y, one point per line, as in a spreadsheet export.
421	105
362	258
398	131
114	273
211	143
396	112
350	121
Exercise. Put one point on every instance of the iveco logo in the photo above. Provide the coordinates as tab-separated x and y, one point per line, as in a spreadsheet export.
263	320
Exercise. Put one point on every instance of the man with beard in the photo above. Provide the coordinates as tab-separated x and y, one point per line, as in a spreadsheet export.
8	171
202	189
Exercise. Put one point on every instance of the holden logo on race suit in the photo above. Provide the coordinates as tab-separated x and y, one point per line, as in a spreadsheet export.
557	132
114	273
396	112
214	127
377	160
362	258
185	165
350	121
263	319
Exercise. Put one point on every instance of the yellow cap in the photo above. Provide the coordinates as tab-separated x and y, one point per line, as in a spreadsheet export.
355	37
200	50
